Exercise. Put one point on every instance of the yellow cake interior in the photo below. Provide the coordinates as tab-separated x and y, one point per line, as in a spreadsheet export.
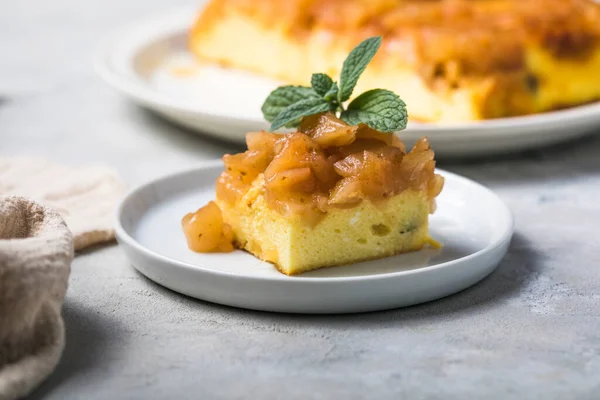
343	236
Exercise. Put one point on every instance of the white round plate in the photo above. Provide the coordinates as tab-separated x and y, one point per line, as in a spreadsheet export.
141	62
471	221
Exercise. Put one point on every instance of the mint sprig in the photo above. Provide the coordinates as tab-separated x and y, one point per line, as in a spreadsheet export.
378	108
291	116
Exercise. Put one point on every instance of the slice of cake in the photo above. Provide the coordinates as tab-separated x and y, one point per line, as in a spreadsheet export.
451	60
329	194
337	191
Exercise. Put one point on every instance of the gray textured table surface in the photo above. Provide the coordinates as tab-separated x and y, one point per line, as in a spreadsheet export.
530	330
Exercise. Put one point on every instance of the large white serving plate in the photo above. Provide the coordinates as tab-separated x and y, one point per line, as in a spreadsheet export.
141	61
472	222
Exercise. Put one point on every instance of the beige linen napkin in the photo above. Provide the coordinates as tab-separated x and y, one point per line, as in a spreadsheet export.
85	196
63	208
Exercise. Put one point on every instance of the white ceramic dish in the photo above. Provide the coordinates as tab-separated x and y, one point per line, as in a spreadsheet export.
472	222
140	60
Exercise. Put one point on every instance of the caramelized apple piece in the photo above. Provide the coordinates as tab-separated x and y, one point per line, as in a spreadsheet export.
377	176
243	168
347	192
294	153
353	164
205	230
419	164
327	130
322	168
230	189
358	146
390	153
262	141
246	166
349	166
396	142
365	132
435	186
374	172
293	180
421	145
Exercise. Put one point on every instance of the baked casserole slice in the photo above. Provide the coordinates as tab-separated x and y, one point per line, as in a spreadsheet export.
329	194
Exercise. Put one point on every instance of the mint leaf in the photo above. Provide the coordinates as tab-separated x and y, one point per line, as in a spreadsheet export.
355	64
332	92
379	108
291	115
321	83
283	97
324	86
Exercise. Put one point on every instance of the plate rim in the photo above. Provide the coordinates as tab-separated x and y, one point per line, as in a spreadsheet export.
124	237
177	20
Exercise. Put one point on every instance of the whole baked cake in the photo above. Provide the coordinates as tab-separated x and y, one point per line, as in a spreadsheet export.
451	60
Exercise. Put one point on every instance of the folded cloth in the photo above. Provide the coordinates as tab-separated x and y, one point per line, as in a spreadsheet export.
85	196
36	249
